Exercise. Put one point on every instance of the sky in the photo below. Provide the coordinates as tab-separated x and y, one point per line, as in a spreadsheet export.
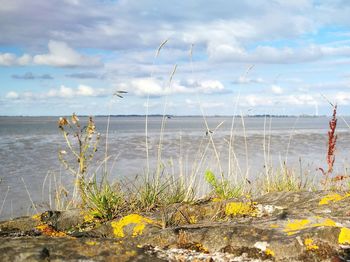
217	57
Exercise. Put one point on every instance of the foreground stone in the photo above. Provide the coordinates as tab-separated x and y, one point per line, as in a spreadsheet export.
303	226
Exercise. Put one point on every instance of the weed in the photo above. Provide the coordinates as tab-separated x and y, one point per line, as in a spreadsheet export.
283	179
151	194
332	139
103	200
82	143
222	189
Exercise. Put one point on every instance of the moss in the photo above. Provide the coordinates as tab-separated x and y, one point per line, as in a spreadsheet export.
139	221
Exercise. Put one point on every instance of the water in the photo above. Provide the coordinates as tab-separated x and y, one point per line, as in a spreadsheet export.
29	150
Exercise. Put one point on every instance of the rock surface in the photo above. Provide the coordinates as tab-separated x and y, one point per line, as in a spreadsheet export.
302	226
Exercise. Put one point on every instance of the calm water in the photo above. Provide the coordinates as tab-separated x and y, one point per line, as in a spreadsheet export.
29	146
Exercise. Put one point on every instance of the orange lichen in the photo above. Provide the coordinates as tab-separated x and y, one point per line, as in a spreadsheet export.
139	221
50	231
240	209
344	236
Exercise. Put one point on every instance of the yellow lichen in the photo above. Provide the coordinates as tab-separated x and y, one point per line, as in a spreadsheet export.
193	220
344	236
201	248
139	221
91	243
240	209
88	217
332	198
292	227
37	217
309	243
131	253
274	226
326	223
216	199
269	252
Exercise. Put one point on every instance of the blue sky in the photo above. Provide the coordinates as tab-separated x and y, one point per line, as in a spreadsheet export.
261	57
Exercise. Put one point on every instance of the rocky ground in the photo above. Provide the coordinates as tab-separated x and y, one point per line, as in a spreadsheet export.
303	226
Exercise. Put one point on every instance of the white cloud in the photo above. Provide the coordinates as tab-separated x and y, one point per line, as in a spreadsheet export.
267	54
266	100
270	54
156	87
276	89
8	59
81	90
342	98
62	92
248	80
12	95
62	55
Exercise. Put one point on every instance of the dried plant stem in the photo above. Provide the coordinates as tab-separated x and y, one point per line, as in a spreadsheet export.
147	110
246	148
267	170
3	202
230	146
31	200
160	144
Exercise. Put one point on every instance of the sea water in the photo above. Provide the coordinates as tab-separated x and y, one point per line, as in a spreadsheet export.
29	146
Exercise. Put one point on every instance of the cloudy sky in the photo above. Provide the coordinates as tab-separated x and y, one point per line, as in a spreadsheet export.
276	57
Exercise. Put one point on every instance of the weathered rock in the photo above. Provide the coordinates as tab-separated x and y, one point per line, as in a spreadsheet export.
303	226
70	249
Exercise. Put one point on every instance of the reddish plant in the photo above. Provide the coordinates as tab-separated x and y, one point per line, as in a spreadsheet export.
332	140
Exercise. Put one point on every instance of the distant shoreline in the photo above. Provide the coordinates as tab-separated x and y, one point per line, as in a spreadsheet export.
174	116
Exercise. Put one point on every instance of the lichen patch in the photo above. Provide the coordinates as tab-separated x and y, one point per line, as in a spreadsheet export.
333	198
140	223
240	209
344	236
